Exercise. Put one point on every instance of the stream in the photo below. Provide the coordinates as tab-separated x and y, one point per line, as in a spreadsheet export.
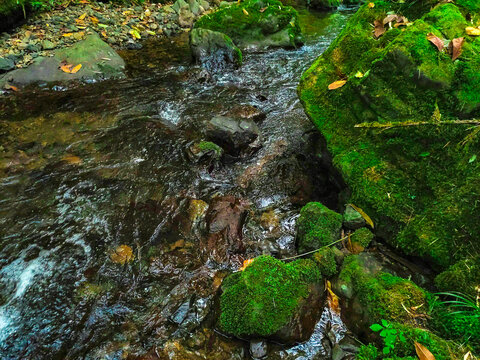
88	168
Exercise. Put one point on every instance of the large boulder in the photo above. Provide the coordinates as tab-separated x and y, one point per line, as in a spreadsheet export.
99	61
273	300
255	24
419	183
213	49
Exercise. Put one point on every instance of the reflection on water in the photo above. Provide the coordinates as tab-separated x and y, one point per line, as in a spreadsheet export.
95	166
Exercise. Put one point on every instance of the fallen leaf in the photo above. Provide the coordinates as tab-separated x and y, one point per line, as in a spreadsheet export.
246	263
364	215
122	254
472	31
354	247
263	9
292	24
104	34
72	159
422	352
67	34
390	18
435	40
359	75
371	5
148	13
337	84
66	68
11	87
94	20
379	29
332	298
245	12
135	34
81	17
456	47
76	69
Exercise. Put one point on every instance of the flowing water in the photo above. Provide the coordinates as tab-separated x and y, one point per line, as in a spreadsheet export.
87	168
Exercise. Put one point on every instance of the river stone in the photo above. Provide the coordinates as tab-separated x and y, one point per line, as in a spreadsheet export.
258	349
179	4
6	64
213	49
352	219
234	135
92	53
185	17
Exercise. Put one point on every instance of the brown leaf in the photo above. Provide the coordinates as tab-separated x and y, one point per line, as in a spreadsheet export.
332	298
354	247
435	40
337	84
456	47
379	29
263	9
423	353
390	18
122	254
72	159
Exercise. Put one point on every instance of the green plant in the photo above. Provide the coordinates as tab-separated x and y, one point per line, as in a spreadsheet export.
464	304
389	335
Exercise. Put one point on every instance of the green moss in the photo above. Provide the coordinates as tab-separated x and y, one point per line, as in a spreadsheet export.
317	226
261	299
415	182
325	258
209	146
255	22
367	352
362	236
383	295
463	277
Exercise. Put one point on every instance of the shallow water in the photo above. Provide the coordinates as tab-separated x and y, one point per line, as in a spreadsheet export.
87	168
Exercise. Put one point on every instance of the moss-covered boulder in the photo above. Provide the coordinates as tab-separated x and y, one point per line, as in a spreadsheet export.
317	226
97	59
271	299
213	49
255	24
362	237
325	258
463	277
419	183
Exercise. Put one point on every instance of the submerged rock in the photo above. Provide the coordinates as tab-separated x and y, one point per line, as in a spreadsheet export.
272	300
234	135
99	61
213	49
255	24
419	183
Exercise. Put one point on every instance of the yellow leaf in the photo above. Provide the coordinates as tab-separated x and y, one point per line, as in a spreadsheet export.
150	32
422	352
472	31
135	34
66	68
122	254
359	75
93	19
148	12
72	159
246	263
364	215
337	84
76	69
292	23
371	5
245	11
81	17
67	34
332	298
104	34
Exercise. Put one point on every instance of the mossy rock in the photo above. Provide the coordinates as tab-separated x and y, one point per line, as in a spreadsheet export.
381	295
255	24
462	277
420	184
317	226
271	299
325	258
362	237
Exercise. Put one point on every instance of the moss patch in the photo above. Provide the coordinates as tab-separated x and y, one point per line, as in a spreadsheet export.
317	226
260	300
362	236
325	258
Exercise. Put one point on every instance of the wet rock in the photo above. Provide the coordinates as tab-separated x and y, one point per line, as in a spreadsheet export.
274	26
185	17
6	64
205	151
283	303
213	49
317	226
234	135
258	349
91	53
248	112
226	213
352	219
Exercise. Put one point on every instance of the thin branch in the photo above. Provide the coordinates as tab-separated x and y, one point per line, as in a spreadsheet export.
311	252
395	124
